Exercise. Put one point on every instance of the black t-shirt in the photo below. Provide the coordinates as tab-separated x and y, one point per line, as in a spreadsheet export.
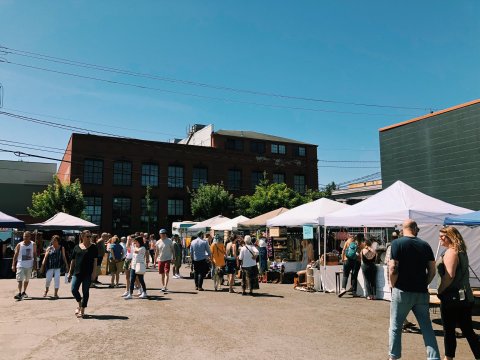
413	256
84	260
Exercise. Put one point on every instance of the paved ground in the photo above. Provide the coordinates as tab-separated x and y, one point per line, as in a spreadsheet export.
280	323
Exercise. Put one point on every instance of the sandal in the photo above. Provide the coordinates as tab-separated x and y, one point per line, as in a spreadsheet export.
45	294
77	311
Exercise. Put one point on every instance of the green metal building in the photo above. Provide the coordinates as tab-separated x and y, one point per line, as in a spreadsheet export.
437	154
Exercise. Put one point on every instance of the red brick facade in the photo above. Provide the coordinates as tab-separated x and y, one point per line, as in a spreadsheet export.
238	155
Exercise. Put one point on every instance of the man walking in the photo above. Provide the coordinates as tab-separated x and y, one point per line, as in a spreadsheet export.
165	255
200	252
411	269
23	263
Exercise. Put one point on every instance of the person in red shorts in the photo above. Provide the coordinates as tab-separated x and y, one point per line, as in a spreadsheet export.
165	255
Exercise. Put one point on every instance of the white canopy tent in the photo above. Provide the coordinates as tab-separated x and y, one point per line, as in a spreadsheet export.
230	224
311	213
392	206
63	221
207	224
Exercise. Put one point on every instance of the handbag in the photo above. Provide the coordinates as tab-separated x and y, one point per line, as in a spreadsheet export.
140	268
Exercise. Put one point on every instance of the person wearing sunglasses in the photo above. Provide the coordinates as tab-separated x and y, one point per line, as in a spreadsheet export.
83	270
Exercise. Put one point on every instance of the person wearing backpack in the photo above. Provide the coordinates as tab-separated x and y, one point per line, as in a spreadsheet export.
351	262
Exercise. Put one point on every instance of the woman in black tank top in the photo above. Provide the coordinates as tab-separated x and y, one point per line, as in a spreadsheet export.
369	269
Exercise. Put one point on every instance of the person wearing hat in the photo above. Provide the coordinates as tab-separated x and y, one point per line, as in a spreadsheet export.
177	246
165	255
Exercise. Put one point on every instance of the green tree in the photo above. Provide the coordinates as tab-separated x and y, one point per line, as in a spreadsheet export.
267	197
148	203
210	200
312	195
58	197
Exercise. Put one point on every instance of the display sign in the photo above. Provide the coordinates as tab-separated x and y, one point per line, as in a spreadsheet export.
308	232
274	231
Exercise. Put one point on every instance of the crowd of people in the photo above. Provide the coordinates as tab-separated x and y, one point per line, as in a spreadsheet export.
411	268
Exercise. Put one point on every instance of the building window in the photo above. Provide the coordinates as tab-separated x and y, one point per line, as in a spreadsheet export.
175	177
234	180
93	172
278	178
257	147
279	149
299	183
149	216
234	144
93	209
301	151
199	177
122	214
149	175
122	173
256	177
175	207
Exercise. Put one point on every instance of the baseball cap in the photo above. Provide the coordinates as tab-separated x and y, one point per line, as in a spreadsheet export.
162	231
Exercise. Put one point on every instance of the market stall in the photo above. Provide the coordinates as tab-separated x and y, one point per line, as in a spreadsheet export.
298	222
206	225
389	208
7	233
260	222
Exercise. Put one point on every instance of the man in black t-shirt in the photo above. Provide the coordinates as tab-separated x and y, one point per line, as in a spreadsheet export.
411	269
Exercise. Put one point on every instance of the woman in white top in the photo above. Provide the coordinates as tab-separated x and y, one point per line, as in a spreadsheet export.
137	268
248	257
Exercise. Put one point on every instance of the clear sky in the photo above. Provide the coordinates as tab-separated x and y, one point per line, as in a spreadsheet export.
409	56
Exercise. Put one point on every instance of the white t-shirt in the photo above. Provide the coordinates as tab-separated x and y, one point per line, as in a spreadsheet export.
138	257
165	249
262	242
246	256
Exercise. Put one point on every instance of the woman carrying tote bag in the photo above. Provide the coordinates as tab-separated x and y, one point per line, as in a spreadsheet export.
137	268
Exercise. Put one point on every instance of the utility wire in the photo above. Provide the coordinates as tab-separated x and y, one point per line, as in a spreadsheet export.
44	57
227	100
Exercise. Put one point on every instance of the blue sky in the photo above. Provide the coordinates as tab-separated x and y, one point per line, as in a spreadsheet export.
411	55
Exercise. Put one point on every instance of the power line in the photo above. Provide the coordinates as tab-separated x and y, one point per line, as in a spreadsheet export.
64	61
227	100
94	123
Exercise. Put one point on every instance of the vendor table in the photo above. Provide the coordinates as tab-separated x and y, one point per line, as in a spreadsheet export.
383	287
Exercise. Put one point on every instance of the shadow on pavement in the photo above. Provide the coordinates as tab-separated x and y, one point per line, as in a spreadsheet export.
156	298
181	292
266	295
104	317
48	298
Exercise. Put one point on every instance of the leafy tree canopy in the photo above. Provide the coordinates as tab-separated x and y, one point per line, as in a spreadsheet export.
58	197
210	200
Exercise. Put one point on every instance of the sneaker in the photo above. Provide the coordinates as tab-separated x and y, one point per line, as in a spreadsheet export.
143	296
163	289
125	293
24	295
18	296
139	292
128	297
342	292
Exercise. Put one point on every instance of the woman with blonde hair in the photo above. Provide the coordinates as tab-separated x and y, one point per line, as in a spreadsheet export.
455	293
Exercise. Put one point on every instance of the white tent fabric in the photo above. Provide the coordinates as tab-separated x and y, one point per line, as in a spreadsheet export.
62	221
392	206
230	224
206	224
7	221
311	213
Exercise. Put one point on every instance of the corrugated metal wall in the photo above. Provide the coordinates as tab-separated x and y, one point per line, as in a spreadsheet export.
439	156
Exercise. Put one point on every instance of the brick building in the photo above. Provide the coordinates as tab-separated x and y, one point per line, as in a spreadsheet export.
437	154
114	172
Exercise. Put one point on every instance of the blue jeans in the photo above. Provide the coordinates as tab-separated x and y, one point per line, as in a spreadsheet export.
85	282
402	303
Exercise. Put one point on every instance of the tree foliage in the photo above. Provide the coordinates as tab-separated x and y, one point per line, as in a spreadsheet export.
58	197
268	197
210	200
